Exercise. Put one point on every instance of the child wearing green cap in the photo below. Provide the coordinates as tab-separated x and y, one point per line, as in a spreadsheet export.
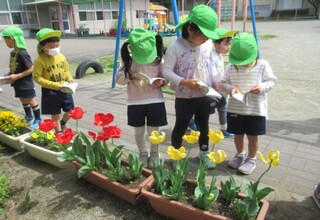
222	46
188	60
20	75
142	53
51	70
246	74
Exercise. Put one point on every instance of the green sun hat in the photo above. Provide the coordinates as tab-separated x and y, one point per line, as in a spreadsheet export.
205	18
224	33
142	45
45	34
244	49
17	35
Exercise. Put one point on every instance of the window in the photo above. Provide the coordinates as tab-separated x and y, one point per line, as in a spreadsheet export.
4	19
16	18
140	13
94	12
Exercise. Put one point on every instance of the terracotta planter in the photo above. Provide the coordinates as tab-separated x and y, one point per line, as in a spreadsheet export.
14	142
43	154
130	195
178	210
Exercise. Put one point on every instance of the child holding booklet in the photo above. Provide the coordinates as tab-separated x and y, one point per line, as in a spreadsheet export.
20	75
51	71
188	60
141	55
247	73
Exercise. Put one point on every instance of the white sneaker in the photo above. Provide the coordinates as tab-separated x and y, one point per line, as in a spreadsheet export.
154	159
144	159
248	166
237	161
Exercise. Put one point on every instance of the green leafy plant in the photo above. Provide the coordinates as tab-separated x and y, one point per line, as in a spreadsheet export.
26	201
12	124
230	189
103	155
249	207
4	190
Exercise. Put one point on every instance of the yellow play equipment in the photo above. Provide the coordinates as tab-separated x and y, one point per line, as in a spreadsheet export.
156	17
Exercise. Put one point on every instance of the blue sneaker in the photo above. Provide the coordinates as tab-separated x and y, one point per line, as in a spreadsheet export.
29	119
192	125
227	134
35	124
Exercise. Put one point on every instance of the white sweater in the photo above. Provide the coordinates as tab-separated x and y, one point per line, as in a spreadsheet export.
137	94
244	78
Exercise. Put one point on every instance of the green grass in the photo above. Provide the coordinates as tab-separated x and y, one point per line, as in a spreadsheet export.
4	188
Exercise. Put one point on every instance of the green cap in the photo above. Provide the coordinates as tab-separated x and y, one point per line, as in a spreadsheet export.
224	33
45	34
142	45
205	18
17	35
244	49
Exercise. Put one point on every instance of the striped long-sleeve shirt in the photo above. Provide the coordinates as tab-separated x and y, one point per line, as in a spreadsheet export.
244	78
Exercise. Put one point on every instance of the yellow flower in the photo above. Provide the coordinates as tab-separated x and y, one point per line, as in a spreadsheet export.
34	135
155	138
273	157
211	196
176	154
215	137
218	157
192	138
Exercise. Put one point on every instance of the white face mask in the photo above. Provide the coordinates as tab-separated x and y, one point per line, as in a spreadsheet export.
54	51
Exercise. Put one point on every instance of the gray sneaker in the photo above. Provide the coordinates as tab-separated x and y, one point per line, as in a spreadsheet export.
248	166
237	161
144	159
203	156
154	159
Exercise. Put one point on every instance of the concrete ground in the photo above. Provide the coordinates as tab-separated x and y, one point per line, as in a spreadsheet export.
293	127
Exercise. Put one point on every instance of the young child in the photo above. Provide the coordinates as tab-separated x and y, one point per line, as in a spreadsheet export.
189	59
20	75
51	70
142	53
222	46
246	73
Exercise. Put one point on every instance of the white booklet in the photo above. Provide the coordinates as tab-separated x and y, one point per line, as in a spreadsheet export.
208	91
69	87
4	80
243	98
145	79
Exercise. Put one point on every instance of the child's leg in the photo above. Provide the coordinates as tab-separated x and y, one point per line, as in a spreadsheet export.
65	118
178	131
141	143
56	118
240	156
27	108
36	109
154	148
250	163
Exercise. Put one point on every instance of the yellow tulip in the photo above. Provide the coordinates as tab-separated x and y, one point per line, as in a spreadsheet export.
176	154
273	157
215	137
218	157
192	138
155	138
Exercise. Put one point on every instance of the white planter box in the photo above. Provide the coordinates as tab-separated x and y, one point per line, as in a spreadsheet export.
13	142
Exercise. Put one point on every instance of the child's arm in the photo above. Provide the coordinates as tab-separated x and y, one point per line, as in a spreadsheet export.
269	80
121	79
67	74
39	69
14	77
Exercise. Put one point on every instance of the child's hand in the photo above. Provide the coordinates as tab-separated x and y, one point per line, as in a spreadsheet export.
217	86
190	83
256	89
158	83
234	90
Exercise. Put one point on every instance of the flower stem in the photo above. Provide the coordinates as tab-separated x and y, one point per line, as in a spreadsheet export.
264	172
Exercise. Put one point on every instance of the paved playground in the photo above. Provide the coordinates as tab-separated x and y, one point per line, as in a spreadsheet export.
293	127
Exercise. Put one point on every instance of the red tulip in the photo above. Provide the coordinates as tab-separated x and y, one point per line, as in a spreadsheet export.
76	113
101	119
100	136
112	131
65	137
47	125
